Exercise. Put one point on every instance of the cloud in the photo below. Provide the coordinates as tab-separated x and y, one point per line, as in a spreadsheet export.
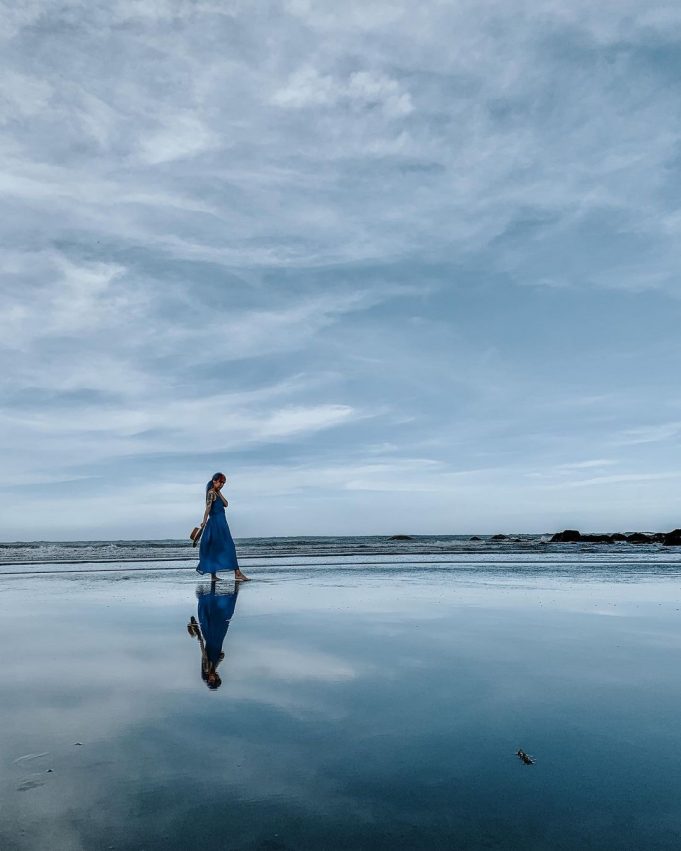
585	465
655	433
300	231
103	433
181	136
623	478
23	95
361	90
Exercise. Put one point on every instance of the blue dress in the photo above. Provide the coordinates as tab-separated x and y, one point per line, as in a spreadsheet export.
217	550
215	613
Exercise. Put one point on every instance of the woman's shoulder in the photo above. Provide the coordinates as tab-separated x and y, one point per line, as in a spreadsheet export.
211	496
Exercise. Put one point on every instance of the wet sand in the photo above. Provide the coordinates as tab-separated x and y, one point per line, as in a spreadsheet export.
357	710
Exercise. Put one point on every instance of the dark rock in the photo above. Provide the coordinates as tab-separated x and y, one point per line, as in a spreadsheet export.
401	538
639	538
673	539
499	538
475	538
597	539
567	536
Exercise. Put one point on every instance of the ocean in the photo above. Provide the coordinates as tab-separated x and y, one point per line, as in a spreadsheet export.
55	552
520	552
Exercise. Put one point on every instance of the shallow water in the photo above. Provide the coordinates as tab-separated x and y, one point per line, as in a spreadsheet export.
358	709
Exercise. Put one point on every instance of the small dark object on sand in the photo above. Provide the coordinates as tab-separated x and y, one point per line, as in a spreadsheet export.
77	744
525	758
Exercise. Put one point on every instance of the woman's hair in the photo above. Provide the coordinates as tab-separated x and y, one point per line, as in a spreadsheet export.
217	682
214	477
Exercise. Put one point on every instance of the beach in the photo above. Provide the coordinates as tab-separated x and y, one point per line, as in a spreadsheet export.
373	696
291	291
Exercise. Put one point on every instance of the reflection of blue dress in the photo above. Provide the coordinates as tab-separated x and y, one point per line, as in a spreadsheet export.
217	550
215	611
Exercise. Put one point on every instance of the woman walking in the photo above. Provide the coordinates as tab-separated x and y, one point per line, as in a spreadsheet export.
215	613
217	550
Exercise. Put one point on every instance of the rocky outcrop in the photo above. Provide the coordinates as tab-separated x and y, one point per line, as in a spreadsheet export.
673	539
499	538
475	538
639	538
401	538
572	536
567	536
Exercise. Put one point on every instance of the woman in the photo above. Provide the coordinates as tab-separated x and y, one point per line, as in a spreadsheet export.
217	550
215	613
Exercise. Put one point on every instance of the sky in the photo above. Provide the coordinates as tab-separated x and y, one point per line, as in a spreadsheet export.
392	267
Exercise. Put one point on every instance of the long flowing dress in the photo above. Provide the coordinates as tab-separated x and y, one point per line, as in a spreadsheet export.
215	613
216	550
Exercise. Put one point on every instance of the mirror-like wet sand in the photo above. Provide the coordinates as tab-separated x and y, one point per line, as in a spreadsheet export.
353	711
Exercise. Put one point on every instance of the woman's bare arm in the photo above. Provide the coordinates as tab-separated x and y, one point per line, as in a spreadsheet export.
210	498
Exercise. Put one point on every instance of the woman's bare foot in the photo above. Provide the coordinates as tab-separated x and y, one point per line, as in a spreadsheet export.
240	577
215	578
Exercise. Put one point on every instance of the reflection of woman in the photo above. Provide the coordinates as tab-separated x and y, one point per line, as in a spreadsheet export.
215	613
217	550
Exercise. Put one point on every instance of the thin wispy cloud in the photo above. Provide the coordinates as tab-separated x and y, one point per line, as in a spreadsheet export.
422	260
655	433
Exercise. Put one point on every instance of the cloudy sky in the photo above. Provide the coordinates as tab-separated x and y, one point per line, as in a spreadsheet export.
391	266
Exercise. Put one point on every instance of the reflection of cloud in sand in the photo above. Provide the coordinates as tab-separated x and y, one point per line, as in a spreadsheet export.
89	668
259	767
100	668
277	662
